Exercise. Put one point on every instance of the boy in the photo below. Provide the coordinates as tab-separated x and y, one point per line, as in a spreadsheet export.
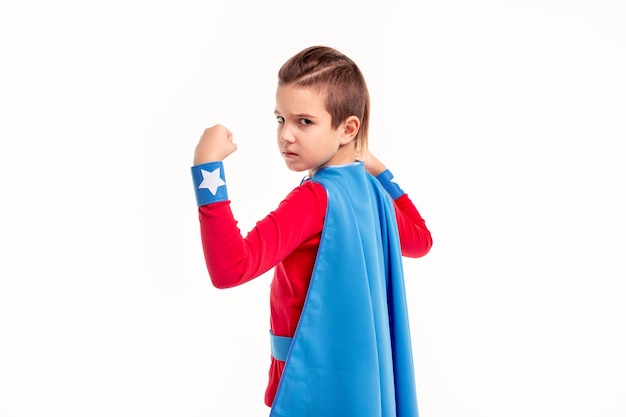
339	328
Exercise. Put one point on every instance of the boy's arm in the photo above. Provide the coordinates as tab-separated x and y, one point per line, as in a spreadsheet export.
415	237
230	258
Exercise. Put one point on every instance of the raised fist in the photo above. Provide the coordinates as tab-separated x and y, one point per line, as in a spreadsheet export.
215	144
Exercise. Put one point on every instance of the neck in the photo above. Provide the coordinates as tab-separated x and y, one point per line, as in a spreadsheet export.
345	155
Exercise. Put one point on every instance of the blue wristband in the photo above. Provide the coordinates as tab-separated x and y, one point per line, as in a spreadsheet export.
387	181
209	183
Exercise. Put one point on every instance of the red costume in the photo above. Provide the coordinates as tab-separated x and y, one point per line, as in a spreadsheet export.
288	238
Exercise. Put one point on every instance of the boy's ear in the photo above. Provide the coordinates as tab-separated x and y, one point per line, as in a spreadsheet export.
350	129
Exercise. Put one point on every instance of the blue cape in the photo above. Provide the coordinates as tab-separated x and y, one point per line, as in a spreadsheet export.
351	353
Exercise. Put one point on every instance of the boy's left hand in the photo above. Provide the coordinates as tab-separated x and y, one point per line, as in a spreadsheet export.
372	164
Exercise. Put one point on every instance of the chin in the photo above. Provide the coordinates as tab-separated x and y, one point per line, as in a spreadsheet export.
296	168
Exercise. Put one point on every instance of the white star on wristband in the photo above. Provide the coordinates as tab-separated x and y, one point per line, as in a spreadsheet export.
211	180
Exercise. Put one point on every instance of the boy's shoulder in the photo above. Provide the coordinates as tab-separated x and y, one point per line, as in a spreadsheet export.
306	196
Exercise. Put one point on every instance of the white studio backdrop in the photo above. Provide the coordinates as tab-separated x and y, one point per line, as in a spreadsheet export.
503	120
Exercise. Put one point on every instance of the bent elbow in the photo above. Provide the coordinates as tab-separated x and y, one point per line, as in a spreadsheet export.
226	278
420	246
223	281
220	284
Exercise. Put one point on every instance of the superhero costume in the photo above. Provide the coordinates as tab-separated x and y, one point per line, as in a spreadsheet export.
218	228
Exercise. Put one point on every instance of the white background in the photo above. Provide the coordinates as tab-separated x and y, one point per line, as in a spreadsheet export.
503	120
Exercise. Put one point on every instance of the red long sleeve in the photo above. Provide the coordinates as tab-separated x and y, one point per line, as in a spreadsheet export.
415	238
233	260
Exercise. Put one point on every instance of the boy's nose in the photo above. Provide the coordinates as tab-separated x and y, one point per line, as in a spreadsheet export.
285	135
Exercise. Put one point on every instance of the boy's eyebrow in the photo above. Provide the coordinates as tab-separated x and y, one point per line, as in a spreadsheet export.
303	115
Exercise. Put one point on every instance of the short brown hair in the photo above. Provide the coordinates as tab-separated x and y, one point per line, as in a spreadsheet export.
338	78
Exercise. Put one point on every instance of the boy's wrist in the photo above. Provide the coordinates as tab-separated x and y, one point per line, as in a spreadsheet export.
388	182
209	183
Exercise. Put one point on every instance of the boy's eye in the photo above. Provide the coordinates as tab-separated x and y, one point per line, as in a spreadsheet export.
305	122
280	119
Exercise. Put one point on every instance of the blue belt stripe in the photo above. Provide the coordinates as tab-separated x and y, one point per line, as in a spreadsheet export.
280	346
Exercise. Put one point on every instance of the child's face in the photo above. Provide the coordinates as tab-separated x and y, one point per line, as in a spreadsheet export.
306	138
